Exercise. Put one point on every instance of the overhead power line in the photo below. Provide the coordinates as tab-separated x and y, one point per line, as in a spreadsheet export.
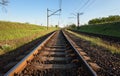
87	6
84	5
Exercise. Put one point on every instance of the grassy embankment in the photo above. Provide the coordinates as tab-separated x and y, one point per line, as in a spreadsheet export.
97	41
111	29
13	35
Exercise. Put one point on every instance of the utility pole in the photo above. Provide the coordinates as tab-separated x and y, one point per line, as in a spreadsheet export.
78	16
47	18
54	13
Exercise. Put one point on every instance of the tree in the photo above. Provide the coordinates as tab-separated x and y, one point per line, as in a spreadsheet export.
109	19
3	2
72	26
56	26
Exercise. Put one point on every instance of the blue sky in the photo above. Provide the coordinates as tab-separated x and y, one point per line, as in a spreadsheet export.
34	11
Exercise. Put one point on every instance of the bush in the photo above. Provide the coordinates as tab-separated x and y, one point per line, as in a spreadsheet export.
6	47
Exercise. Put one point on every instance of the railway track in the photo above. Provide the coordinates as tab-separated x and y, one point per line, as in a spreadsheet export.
100	56
56	56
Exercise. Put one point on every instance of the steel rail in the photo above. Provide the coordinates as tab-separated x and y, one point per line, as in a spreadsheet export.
86	65
22	64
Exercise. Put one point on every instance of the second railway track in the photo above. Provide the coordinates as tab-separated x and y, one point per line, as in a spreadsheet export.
56	57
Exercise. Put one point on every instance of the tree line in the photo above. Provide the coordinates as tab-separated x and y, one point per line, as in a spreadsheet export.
109	19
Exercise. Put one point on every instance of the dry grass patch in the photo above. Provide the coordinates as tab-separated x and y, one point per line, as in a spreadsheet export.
97	41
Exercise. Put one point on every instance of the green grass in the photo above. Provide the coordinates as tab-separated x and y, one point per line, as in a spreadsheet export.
110	29
97	41
9	30
13	34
